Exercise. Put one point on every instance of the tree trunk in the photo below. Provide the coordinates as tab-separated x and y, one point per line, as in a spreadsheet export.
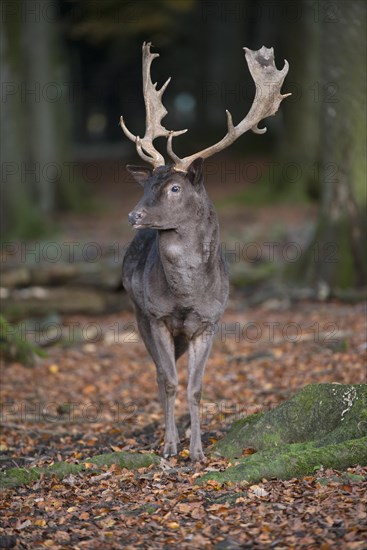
337	254
17	210
42	101
35	115
299	146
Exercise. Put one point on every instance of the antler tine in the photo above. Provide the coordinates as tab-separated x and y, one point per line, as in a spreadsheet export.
125	130
137	141
170	152
155	112
268	81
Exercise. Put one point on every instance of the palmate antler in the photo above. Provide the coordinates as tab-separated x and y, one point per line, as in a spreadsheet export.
268	81
155	112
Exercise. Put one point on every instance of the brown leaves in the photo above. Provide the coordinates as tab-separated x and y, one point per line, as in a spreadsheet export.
165	507
248	451
106	523
83	408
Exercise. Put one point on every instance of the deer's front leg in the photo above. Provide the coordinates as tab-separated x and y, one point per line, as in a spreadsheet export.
199	350
164	358
161	381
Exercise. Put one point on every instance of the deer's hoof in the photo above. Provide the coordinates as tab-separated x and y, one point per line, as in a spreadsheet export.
170	449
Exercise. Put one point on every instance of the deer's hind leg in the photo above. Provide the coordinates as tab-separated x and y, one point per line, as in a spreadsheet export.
160	345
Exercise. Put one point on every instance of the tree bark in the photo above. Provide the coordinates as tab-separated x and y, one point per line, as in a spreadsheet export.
336	255
300	143
35	117
17	210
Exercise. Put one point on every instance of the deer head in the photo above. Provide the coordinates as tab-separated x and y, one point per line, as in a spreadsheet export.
268	81
170	198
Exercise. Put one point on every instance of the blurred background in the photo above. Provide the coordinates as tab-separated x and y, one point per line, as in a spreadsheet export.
291	203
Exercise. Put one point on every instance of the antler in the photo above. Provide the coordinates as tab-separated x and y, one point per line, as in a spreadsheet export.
268	81
155	112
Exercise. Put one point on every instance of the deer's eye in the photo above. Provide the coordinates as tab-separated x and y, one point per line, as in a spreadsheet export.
175	188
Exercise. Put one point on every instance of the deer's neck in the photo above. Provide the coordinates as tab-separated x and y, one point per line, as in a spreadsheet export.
190	254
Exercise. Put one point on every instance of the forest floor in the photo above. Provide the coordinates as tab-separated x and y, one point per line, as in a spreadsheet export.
89	398
98	395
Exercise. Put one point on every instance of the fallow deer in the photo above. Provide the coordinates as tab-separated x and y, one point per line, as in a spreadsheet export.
173	270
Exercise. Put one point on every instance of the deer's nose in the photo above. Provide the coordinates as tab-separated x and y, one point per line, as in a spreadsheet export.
135	217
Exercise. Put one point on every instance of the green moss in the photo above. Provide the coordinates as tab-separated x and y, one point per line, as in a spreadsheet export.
326	413
324	424
346	477
19	476
14	477
293	460
63	469
230	446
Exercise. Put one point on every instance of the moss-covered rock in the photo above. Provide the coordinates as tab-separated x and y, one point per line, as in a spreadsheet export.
295	460
324	424
326	413
132	461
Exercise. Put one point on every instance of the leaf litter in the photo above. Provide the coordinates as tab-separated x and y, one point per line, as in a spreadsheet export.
77	403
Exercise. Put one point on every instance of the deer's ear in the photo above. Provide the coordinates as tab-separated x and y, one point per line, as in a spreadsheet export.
139	173
195	171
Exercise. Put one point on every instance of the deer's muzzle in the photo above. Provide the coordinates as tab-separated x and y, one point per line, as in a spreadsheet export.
135	217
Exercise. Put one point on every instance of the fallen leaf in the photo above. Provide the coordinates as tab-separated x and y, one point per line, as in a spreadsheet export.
116	449
87	390
23	525
183	508
57	487
185	453
89	465
248	451
40	522
107	522
258	491
173	525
